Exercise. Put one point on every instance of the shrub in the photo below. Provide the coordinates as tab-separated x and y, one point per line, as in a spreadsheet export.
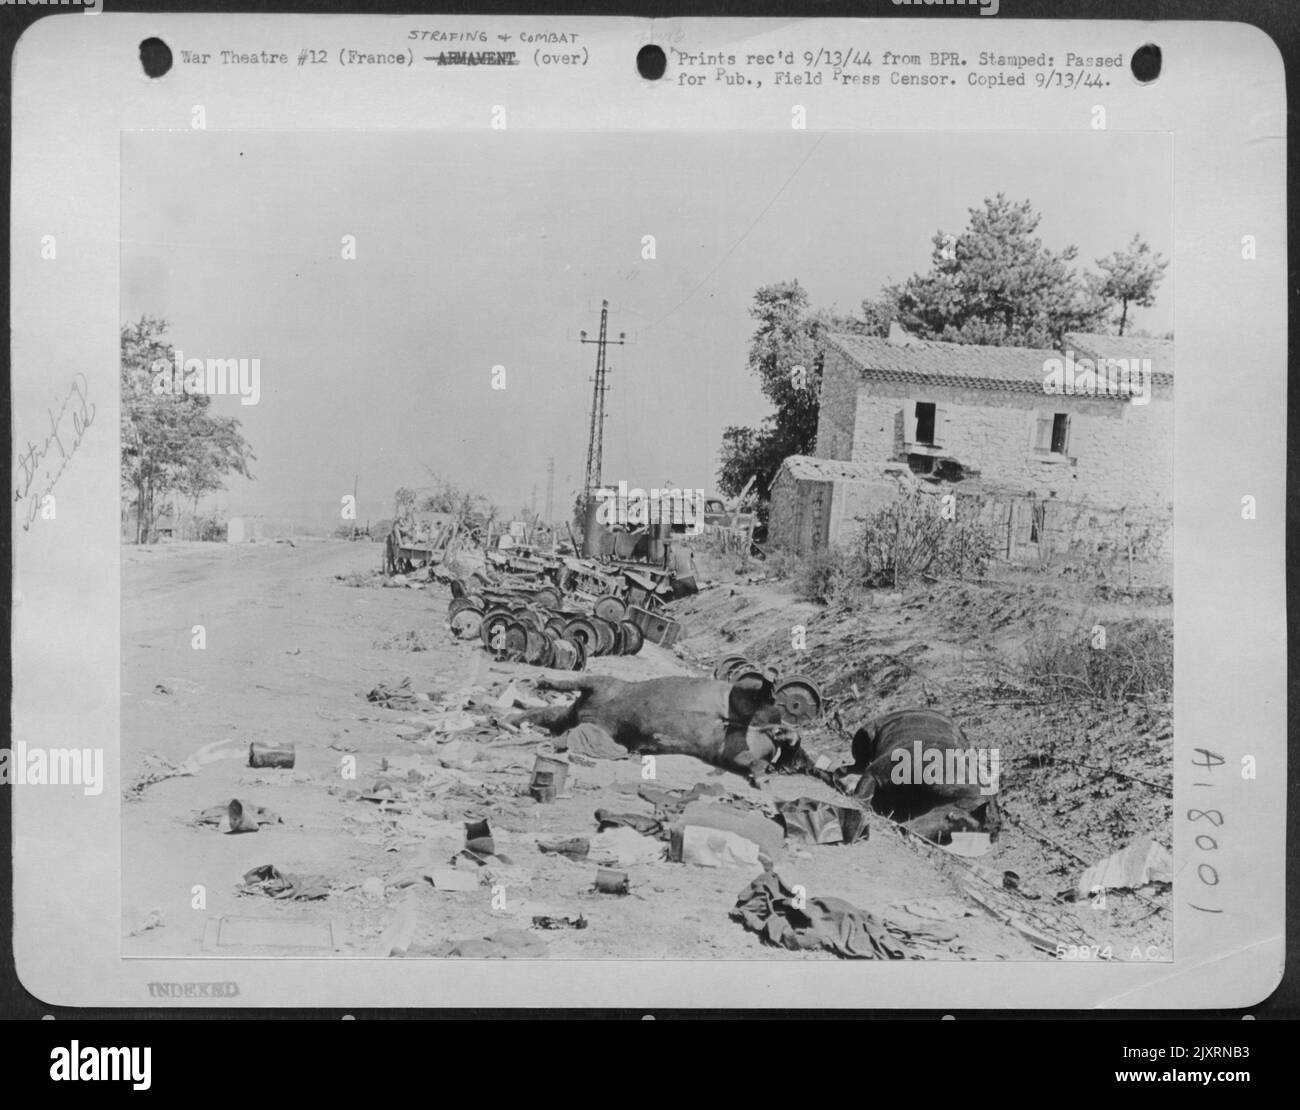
828	576
1137	661
910	536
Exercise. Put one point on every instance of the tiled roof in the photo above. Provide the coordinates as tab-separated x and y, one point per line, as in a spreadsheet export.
1159	351
929	362
806	467
1018	369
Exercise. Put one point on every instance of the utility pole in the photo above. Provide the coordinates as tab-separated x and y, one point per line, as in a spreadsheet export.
596	439
355	479
550	491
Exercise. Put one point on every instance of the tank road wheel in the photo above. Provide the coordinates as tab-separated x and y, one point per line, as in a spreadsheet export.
800	699
633	638
492	631
548	597
610	608
583	632
516	640
604	636
726	663
536	648
466	623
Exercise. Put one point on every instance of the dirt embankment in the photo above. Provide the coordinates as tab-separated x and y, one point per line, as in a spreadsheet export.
379	796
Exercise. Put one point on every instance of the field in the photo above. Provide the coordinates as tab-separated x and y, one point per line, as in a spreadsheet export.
294	636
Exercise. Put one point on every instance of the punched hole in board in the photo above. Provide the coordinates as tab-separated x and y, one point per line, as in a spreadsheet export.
651	62
155	57
1146	63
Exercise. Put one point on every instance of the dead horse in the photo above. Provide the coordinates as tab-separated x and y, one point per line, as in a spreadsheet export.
734	726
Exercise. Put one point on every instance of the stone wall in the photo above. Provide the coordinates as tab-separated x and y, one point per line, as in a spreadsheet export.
1118	454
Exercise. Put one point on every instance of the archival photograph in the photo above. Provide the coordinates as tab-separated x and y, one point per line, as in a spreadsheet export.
679	546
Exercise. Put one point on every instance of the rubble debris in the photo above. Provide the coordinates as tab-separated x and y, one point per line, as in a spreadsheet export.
822	823
576	847
478	838
1141	862
249	818
271	881
158	769
400	696
449	879
214	815
706	847
374	888
968	844
611	881
551	921
772	910
266	754
638	822
550	775
589	740
673	801
154	919
625	847
766	835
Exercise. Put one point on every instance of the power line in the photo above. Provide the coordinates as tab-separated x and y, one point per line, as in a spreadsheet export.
596	437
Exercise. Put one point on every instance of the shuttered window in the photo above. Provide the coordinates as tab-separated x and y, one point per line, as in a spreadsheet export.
1052	433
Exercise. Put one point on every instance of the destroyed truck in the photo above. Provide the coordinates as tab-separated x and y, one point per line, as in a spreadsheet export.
632	508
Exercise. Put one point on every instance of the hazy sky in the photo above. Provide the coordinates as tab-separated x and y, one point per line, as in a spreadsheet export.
495	248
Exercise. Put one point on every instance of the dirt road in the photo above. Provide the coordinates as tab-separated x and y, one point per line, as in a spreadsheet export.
268	642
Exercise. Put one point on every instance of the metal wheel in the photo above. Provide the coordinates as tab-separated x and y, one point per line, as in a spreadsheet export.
583	632
633	638
610	608
492	630
466	624
548	597
536	647
726	663
516	639
604	636
800	699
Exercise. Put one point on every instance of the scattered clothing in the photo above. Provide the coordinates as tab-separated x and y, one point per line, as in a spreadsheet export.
625	847
1143	861
592	741
647	826
767	835
705	847
822	823
400	696
575	847
549	921
270	880
767	907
